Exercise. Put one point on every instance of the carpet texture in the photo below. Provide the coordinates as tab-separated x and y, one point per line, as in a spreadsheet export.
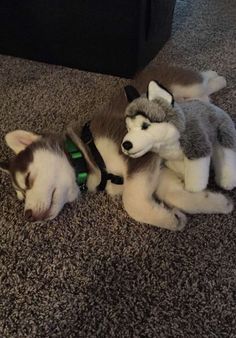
94	272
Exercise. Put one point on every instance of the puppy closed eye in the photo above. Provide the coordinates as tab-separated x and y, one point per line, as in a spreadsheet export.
27	181
145	126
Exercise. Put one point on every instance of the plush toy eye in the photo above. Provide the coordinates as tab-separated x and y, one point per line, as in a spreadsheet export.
145	125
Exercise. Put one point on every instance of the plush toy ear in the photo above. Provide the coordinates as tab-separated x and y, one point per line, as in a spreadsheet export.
4	166
155	91
131	93
18	140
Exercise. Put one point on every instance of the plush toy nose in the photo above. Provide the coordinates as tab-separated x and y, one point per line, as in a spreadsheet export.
127	145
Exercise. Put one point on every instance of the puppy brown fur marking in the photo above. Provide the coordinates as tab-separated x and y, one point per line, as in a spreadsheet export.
167	76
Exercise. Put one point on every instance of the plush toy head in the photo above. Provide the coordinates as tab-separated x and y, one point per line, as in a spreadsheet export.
152	120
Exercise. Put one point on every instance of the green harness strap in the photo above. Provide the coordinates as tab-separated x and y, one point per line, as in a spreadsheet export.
78	162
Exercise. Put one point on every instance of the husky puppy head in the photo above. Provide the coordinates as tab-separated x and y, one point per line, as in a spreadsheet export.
41	173
152	120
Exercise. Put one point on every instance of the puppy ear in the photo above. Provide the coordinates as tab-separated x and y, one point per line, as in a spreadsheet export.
4	166
155	91
131	93
18	140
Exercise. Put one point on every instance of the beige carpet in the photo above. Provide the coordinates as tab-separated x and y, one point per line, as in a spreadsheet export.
93	272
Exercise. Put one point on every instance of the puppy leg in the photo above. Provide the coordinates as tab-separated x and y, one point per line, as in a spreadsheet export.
140	205
171	191
196	173
213	82
184	93
209	74
224	162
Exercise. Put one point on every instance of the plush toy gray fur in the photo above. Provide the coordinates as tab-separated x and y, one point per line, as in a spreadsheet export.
188	135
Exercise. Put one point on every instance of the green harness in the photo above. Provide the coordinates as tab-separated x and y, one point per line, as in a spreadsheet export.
78	161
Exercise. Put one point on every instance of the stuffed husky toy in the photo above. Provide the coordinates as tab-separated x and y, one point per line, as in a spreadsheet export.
187	135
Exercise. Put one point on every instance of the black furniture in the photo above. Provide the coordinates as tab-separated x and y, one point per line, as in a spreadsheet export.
107	36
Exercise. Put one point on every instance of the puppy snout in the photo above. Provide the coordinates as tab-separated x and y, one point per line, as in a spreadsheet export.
29	215
34	216
127	145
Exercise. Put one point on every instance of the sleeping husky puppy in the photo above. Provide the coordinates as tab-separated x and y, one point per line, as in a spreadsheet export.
44	176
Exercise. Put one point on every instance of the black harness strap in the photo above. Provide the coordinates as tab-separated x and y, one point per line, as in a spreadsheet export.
87	138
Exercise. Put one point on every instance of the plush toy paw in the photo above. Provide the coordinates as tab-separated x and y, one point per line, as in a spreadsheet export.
226	182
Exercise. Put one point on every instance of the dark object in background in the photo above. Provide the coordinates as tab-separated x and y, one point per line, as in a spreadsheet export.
110	36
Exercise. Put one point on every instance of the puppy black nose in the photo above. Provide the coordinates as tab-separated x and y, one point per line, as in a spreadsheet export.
127	145
29	215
